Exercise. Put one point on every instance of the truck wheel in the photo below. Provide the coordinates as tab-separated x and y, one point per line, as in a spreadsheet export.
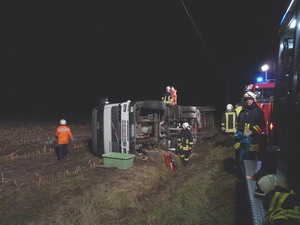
188	109
188	112
154	105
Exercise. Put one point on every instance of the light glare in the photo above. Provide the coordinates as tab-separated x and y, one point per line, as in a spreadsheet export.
265	68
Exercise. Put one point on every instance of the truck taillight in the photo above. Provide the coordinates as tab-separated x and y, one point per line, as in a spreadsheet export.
271	126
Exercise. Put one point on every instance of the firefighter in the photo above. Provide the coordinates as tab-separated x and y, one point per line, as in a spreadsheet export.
238	108
63	134
250	125
174	95
236	143
185	143
282	202
167	96
228	124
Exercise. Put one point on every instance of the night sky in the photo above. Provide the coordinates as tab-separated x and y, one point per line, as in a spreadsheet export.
63	57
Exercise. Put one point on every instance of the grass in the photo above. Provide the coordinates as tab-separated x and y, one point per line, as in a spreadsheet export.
148	194
204	198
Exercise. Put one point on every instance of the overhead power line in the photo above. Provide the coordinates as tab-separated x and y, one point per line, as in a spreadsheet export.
198	33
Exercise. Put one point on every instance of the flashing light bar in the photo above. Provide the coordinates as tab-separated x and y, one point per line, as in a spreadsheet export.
259	80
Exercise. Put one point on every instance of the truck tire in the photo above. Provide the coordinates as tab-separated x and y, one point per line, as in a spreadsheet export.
154	105
188	109
188	112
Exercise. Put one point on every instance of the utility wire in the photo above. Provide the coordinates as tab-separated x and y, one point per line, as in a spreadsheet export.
198	33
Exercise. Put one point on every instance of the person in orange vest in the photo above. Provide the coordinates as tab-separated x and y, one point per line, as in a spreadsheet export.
174	95
63	134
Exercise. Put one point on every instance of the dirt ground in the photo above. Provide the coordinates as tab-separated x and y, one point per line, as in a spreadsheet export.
28	160
28	153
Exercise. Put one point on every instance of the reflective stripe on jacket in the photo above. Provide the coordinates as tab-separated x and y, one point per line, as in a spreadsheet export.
63	133
167	97
238	110
185	139
251	118
229	121
284	206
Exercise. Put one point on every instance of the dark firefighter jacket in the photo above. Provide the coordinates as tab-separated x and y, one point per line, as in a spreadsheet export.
284	208
251	118
185	139
228	121
167	97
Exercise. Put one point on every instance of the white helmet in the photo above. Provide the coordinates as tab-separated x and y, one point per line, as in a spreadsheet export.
185	125
269	182
229	107
63	122
250	94
168	88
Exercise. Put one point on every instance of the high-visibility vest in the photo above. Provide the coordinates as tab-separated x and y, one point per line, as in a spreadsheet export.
63	133
229	121
174	96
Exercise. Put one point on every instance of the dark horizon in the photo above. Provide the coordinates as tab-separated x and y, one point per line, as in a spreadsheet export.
64	58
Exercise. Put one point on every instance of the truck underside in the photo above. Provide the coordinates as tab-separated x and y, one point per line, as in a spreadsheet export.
132	127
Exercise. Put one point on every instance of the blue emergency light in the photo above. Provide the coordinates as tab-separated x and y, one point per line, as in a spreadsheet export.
259	80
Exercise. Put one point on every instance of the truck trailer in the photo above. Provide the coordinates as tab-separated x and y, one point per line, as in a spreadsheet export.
135	126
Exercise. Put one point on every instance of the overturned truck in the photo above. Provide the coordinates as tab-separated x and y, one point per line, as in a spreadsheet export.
131	127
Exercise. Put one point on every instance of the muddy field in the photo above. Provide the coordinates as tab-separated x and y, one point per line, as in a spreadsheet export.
28	153
28	161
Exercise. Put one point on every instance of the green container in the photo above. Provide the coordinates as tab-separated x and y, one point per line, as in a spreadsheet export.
120	160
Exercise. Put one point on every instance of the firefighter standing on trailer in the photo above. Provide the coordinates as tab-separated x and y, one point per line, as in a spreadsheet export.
63	134
250	125
174	95
167	96
185	143
228	124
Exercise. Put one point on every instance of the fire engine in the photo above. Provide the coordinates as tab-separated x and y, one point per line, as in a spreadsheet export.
285	133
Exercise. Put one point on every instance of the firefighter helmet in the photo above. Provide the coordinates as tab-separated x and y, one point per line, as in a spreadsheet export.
269	182
250	94
168	88
63	122
185	125
229	107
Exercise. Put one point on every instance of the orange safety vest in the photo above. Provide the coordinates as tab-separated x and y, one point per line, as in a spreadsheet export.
174	96
63	133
